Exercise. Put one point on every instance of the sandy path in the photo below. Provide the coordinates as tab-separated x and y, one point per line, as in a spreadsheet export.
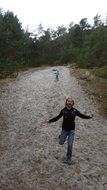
30	156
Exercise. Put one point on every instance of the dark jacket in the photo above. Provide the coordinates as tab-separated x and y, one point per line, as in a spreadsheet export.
69	118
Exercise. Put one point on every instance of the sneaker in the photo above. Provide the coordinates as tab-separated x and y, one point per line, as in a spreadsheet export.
69	162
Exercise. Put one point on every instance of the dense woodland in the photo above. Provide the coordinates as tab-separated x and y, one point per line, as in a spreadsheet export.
81	43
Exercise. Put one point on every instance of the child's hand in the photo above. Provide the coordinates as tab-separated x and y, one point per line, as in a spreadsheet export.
91	115
48	121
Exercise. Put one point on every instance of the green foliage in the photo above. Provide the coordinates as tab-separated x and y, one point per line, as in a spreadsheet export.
103	75
102	72
8	68
81	43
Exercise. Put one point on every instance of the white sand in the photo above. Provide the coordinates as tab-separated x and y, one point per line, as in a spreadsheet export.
30	156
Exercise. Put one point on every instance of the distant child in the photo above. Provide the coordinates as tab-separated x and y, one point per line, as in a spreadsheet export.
57	75
68	126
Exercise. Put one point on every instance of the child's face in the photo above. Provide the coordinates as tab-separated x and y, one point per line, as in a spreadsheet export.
69	103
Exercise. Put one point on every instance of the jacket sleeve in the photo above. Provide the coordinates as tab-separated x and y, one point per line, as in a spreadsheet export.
82	115
57	117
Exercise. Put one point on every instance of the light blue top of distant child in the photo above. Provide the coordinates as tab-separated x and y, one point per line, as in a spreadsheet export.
57	73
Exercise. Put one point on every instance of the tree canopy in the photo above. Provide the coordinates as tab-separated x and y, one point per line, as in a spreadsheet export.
81	43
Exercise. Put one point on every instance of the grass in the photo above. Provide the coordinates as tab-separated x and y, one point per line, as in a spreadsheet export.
101	72
94	82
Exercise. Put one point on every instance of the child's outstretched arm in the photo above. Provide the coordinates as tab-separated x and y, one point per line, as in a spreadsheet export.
56	118
83	116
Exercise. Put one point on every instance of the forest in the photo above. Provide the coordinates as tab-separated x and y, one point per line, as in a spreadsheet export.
82	44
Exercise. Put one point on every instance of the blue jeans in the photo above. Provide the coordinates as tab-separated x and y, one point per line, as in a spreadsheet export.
69	135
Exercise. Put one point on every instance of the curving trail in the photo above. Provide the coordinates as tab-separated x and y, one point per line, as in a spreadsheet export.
30	156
